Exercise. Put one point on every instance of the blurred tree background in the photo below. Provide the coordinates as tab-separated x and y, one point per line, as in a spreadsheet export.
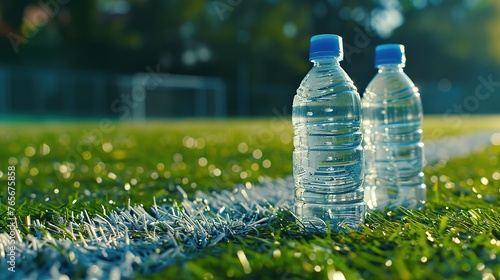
259	48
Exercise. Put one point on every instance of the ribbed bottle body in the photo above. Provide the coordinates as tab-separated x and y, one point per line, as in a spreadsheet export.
328	156
392	131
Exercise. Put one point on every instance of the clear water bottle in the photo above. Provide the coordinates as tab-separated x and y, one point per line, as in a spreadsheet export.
328	156
392	133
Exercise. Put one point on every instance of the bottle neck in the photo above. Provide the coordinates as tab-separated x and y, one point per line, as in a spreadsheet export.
326	61
390	68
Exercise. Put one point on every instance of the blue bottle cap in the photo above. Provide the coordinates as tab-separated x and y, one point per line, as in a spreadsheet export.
390	54
326	45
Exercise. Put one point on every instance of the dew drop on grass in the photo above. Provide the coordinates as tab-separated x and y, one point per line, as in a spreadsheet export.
63	168
200	143
72	258
277	254
266	163
33	171
218	172
495	139
388	263
484	181
127	186
29	151
235	168
449	185
255	166
336	275
257	154
202	162
242	147
97	169
160	166
44	149
496	175
423	259
177	158
12	161
84	168
86	155
434	179
154	175
112	176
189	142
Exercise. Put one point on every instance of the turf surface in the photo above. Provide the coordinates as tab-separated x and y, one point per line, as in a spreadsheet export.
67	168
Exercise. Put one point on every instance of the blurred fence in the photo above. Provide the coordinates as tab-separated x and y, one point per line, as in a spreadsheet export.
61	93
70	93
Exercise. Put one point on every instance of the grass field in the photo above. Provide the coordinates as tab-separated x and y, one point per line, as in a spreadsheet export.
65	169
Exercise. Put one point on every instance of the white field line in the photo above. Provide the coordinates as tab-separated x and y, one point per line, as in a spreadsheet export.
132	240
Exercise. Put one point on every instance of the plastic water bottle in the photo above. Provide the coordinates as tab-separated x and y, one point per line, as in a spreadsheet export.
328	156
392	133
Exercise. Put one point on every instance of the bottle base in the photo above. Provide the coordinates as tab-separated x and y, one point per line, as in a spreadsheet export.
379	198
318	218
